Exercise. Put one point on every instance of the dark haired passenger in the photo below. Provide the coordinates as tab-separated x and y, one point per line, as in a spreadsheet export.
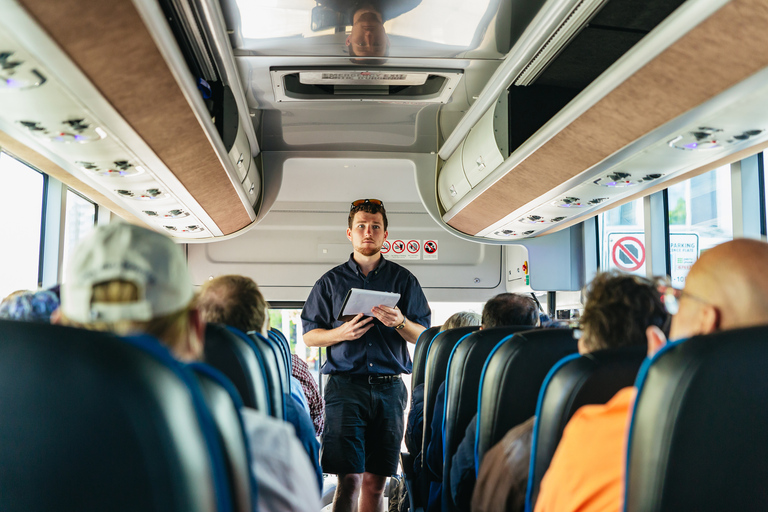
129	280
503	310
587	469
237	301
619	308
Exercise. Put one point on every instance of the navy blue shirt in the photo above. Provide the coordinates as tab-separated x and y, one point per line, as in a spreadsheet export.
381	350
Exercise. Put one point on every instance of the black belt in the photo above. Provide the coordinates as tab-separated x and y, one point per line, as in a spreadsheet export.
374	379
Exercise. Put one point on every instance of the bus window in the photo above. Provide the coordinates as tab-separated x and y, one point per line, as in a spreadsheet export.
700	217
441	311
80	219
288	321
21	212
622	238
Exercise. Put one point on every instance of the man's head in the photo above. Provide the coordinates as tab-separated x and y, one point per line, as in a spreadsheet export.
367	226
235	301
508	309
368	37
461	319
727	288
128	279
619	309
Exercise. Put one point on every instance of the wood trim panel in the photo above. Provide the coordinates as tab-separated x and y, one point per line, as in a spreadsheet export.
36	160
109	42
702	64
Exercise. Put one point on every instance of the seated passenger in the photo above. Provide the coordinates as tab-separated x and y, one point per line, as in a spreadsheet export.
130	280
619	308
505	309
30	306
237	301
587	469
315	401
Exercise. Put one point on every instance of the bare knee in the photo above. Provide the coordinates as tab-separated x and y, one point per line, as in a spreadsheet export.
373	485
349	484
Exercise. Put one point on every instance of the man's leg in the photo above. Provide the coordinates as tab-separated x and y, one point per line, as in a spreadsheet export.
372	492
347	493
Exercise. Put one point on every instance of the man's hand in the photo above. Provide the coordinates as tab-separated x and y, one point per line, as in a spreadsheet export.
391	317
354	328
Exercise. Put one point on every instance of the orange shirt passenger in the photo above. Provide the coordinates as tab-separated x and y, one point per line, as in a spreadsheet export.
587	470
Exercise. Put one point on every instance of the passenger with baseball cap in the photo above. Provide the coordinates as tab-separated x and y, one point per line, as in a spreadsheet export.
127	279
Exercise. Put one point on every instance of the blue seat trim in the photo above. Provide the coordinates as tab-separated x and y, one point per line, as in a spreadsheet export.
535	439
225	383
152	346
259	358
642	375
480	395
445	402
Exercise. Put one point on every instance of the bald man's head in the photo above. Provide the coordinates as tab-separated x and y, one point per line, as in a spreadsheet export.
727	288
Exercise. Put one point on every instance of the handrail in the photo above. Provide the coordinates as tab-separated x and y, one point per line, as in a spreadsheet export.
551	15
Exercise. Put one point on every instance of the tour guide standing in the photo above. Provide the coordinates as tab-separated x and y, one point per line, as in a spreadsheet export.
365	397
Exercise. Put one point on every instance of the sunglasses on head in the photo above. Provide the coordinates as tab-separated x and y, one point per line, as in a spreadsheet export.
361	202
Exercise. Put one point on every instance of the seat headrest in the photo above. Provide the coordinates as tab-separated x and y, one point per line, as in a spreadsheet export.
512	377
462	382
420	355
698	433
438	353
270	355
232	353
95	422
573	382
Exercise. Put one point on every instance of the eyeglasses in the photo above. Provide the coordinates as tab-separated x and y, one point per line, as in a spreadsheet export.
671	296
361	202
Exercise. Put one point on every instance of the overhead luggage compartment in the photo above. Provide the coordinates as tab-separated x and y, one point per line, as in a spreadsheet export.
104	92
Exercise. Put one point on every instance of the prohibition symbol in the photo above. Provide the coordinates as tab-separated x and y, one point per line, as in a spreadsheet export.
398	246
413	246
628	254
430	247
385	247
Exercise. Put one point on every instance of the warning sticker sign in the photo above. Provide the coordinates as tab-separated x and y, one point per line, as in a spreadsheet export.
385	247
405	250
430	250
627	252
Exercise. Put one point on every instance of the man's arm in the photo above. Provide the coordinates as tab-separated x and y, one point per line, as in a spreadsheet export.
392	317
347	331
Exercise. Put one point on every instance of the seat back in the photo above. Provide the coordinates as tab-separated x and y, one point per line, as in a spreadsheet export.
512	377
461	385
224	403
95	422
697	438
274	372
233	354
573	382
285	349
438	354
420	355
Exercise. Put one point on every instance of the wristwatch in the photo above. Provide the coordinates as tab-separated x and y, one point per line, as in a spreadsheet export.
402	324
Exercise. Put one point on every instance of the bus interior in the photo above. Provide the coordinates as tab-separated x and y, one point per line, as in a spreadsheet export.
518	145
